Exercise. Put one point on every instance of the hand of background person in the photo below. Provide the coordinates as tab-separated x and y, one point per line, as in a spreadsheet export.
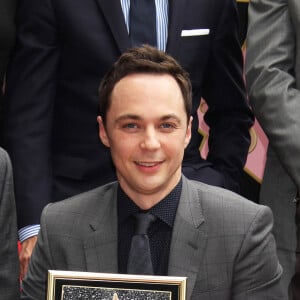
25	254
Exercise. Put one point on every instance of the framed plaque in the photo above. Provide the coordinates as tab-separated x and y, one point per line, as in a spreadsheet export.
70	285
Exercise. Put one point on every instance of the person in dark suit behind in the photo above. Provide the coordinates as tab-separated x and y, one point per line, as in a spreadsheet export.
219	240
7	39
9	263
63	50
273	79
9	267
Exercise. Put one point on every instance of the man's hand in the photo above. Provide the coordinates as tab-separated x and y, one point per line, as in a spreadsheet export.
25	254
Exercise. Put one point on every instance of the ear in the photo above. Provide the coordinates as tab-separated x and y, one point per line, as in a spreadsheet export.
102	132
188	134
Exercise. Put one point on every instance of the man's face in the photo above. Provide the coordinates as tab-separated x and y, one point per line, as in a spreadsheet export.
147	131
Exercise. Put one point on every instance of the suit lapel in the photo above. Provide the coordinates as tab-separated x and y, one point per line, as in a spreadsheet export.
101	245
189	238
176	18
187	245
112	12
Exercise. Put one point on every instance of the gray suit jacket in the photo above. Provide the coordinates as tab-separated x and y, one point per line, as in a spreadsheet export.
273	80
221	242
9	263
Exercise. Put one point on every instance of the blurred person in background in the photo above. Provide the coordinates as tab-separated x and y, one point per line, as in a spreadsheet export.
9	266
273	80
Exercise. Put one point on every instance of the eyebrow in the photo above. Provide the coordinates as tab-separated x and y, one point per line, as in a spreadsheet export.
138	118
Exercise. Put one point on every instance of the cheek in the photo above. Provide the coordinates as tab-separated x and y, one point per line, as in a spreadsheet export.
174	147
122	147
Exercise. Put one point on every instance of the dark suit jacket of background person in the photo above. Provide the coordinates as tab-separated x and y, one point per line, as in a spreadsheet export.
221	242
7	39
9	262
63	50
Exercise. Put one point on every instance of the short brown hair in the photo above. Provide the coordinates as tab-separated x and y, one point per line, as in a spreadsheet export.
144	59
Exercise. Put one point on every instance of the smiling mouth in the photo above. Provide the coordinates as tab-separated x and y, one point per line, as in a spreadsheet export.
147	164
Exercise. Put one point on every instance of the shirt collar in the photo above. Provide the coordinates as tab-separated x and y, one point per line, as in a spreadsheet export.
164	210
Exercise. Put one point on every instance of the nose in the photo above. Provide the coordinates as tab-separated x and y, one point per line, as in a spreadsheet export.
150	140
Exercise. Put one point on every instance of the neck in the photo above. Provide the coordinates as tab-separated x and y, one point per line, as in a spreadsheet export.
146	201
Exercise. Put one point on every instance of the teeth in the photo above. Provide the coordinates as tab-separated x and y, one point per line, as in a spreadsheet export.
146	164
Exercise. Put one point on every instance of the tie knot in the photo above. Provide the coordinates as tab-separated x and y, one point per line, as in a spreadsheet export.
143	221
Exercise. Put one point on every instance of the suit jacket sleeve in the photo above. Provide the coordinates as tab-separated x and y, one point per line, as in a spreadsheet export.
229	116
34	285
31	87
257	271
270	71
9	263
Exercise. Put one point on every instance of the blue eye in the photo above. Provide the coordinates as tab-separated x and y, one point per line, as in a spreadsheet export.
130	125
167	125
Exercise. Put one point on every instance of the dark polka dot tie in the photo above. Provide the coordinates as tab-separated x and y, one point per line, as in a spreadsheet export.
139	258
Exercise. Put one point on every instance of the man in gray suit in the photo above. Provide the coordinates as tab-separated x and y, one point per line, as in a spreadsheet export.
9	262
219	240
273	79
